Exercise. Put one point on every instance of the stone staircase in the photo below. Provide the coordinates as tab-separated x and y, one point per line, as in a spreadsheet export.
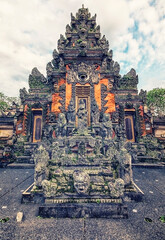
28	150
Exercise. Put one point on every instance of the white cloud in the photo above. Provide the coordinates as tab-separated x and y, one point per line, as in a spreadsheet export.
30	31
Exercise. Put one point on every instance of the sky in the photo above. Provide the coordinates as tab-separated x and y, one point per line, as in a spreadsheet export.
29	31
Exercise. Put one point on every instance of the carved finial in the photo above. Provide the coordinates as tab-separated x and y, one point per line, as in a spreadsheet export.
82	5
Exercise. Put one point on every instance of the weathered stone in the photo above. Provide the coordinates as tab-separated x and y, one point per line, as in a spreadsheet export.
19	217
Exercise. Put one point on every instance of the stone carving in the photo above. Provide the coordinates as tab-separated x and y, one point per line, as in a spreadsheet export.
23	94
49	188
47	133
95	114
107	129
71	112
82	117
56	151
83	14
104	65
127	166
97	147
61	125
129	81
82	25
49	68
61	65
83	73
82	149
116	68
115	116
81	181
116	188
104	43
41	158
52	117
143	95
61	43
56	59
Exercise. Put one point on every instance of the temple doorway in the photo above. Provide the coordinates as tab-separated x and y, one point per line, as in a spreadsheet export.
37	125
129	126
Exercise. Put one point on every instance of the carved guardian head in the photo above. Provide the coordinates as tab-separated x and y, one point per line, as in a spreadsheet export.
81	181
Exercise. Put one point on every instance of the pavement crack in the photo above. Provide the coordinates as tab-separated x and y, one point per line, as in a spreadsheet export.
84	229
16	186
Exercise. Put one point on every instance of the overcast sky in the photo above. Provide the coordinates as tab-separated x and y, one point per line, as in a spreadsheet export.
29	31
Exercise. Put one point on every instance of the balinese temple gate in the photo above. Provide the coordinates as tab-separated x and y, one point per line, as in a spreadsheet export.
78	119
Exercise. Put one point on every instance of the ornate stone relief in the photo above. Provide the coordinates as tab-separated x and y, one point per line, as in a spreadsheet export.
81	181
83	73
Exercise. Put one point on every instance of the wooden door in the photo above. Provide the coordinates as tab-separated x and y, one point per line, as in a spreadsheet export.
37	128
129	125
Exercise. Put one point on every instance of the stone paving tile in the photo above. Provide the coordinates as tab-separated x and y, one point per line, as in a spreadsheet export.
32	228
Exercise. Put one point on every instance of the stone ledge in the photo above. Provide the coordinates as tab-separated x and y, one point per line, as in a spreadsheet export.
89	210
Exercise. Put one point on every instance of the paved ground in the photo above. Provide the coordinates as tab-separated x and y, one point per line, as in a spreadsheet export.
150	180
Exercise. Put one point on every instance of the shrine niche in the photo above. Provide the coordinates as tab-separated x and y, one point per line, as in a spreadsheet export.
79	118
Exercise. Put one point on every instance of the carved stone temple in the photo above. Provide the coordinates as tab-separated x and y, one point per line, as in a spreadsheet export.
76	123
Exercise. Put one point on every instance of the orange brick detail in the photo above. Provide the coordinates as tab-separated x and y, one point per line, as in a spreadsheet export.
104	81
97	90
61	82
68	94
55	103
86	84
111	103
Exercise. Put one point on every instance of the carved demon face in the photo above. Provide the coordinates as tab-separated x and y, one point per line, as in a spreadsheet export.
81	181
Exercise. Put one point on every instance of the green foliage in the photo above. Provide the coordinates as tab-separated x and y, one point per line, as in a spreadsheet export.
6	102
98	201
156	101
162	219
3	220
79	40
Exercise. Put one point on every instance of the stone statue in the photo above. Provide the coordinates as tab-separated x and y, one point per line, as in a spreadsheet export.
52	117
82	116
81	181
107	129
116	68
126	162
104	65
116	188
81	149
143	95
61	64
41	158
49	188
56	152
47	133
97	147
71	112
61	125
23	94
95	113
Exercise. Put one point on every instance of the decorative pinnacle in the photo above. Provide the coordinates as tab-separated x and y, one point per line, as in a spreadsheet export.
82	5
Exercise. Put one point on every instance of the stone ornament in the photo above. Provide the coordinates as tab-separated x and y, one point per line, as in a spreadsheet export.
107	129
83	73
49	188
116	188
61	125
41	158
81	181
